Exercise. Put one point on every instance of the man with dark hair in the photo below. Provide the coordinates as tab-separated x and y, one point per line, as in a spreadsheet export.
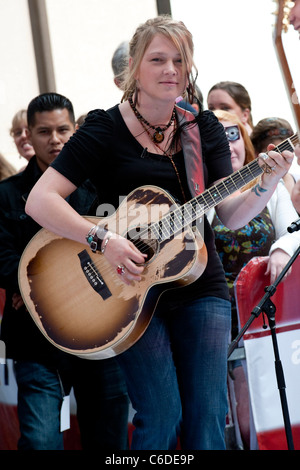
45	374
49	102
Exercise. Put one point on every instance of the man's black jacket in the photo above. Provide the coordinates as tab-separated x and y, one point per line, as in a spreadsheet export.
22	338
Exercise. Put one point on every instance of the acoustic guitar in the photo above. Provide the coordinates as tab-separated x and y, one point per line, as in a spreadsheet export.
76	297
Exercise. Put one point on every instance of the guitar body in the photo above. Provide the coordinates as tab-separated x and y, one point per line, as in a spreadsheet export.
78	300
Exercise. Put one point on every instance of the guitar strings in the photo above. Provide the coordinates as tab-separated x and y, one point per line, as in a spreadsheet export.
210	198
214	196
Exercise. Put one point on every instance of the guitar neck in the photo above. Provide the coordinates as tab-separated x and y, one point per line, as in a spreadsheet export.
175	221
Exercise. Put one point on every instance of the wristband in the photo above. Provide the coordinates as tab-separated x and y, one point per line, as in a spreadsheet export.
95	237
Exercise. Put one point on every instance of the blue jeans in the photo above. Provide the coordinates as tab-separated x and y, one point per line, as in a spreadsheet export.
101	397
176	377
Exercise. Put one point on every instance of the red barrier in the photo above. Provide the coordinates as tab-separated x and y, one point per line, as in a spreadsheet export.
264	394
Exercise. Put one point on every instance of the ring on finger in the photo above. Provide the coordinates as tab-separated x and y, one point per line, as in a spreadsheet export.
266	167
120	270
263	156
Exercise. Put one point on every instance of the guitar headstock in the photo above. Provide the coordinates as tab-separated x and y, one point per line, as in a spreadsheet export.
282	25
283	12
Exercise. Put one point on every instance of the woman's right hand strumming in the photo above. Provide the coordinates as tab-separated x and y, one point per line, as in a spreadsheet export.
125	258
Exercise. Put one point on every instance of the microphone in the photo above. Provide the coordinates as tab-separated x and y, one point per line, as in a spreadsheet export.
294	227
144	153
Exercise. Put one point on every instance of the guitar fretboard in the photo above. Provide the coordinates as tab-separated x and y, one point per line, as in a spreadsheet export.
175	221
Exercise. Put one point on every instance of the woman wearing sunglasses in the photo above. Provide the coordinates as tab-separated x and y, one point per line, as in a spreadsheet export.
265	235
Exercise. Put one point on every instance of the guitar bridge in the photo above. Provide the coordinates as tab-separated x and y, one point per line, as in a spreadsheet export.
92	275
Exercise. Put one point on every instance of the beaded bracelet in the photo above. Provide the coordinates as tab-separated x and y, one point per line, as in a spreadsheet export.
95	237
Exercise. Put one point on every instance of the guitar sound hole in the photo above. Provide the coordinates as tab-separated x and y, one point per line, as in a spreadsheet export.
145	245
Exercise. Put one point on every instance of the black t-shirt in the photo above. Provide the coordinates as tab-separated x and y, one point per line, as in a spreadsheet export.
104	151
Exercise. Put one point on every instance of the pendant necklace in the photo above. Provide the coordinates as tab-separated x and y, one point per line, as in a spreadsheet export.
158	135
169	155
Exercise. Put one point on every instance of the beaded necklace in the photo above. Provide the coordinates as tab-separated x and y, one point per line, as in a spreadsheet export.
158	135
169	155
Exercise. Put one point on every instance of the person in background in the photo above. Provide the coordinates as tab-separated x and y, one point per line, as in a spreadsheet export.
177	371
294	15
6	168
265	235
19	132
295	194
194	106
80	120
199	98
119	63
294	19
234	98
45	374
273	130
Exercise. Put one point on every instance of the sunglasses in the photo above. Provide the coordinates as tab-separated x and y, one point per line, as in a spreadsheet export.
232	133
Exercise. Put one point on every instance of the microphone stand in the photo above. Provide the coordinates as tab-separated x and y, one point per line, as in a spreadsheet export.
266	305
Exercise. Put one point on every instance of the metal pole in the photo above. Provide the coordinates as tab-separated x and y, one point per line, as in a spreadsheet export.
42	45
163	7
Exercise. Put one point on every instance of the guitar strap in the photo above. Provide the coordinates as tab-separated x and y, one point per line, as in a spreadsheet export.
192	151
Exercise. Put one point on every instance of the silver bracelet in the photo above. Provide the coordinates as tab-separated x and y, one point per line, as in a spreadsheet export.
105	242
95	237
